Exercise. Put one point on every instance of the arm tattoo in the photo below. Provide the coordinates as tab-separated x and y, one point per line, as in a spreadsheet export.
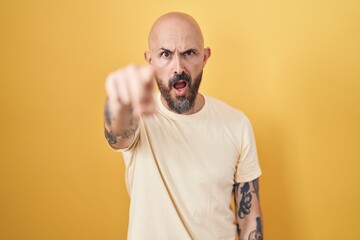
111	138
246	196
238	230
244	205
245	201
256	234
126	134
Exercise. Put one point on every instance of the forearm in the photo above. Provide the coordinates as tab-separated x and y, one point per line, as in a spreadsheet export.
250	228
120	124
248	211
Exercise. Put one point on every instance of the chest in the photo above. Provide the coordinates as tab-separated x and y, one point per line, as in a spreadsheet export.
206	151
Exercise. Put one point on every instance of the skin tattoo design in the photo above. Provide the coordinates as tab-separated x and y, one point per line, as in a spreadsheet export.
243	206
245	202
256	234
113	139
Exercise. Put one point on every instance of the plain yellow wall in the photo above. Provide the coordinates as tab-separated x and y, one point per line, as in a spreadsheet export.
292	66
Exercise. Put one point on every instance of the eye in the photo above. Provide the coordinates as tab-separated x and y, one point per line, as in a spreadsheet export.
189	53
165	54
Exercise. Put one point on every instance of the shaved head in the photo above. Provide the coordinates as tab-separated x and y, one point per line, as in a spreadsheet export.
175	23
177	54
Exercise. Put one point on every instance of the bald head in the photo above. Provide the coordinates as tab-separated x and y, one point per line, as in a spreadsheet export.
175	26
177	55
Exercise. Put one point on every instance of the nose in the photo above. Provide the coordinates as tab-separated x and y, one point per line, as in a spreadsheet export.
178	64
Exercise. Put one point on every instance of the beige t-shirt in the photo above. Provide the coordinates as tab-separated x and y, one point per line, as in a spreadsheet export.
180	172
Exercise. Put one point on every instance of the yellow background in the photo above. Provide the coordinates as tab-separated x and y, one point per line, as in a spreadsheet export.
292	66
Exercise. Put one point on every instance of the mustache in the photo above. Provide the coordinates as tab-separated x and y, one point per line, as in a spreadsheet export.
177	77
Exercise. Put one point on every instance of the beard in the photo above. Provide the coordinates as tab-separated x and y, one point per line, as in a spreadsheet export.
180	104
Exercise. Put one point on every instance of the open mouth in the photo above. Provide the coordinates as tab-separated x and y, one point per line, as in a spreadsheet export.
180	85
180	88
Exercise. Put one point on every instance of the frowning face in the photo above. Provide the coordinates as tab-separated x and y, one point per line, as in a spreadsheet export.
178	58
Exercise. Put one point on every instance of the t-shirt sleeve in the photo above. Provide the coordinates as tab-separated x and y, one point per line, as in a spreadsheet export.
248	167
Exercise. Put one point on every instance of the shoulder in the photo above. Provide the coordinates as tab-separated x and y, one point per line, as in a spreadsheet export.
225	110
229	117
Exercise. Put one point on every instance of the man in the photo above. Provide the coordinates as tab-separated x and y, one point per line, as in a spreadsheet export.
186	154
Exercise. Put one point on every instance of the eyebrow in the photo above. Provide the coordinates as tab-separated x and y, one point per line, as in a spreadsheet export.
168	50
164	49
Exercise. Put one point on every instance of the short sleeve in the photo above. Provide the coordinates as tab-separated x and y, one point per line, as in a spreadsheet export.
248	167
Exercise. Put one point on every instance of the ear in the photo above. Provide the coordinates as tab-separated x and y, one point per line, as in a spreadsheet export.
147	57
207	54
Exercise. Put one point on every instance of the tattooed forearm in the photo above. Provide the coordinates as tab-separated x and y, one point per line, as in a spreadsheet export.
257	233
134	123
247	209
126	134
111	138
245	201
246	195
238	230
130	130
